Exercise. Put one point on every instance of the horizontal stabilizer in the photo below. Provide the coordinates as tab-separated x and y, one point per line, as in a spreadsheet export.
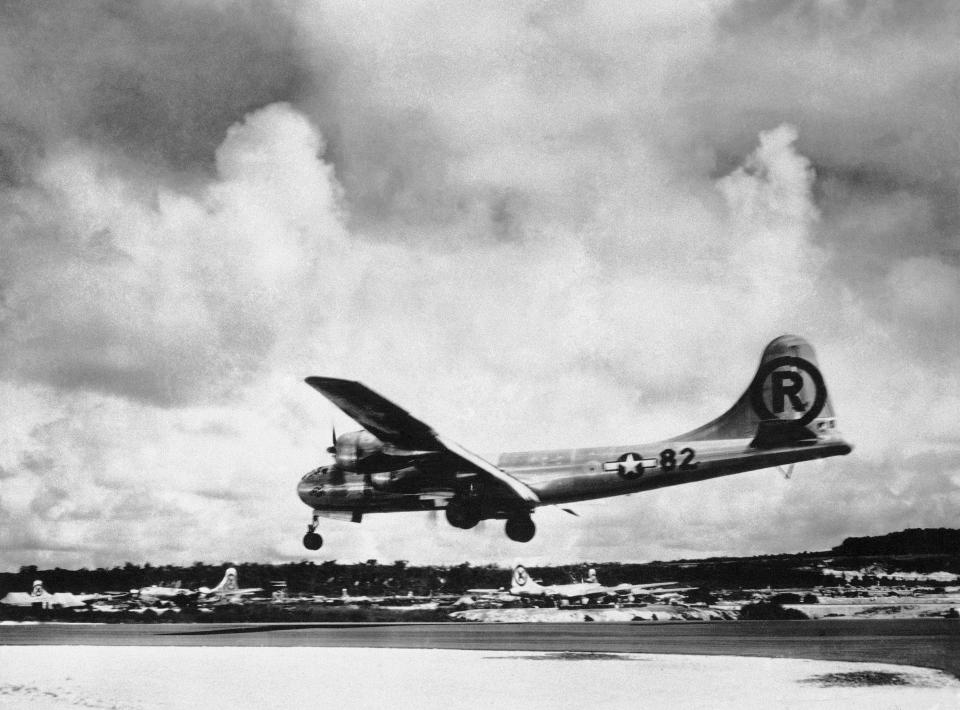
774	433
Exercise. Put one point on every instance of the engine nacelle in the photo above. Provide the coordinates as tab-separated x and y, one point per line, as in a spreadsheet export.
405	480
356	448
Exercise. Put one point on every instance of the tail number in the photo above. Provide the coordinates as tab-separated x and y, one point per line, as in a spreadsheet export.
668	460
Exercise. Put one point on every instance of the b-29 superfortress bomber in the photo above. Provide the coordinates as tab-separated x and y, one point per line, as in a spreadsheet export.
398	463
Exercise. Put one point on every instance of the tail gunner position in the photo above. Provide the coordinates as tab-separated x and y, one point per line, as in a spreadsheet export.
398	463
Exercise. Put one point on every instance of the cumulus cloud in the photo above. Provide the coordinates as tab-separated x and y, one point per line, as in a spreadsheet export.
533	226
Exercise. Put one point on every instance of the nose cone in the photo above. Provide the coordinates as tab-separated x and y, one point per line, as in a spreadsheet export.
311	488
303	490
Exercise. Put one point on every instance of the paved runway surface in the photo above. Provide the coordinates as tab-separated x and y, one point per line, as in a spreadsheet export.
174	678
934	643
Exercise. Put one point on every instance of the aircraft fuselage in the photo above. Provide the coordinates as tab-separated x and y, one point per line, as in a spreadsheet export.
557	476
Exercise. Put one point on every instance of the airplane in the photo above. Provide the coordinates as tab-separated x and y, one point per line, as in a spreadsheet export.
228	588
158	594
39	596
521	585
658	591
398	463
346	599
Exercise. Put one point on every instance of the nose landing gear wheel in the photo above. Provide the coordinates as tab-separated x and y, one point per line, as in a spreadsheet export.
312	541
520	528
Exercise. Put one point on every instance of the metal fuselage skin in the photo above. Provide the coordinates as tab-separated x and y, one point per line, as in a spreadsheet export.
558	476
585	474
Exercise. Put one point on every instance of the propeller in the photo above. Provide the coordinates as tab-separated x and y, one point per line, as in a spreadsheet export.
333	430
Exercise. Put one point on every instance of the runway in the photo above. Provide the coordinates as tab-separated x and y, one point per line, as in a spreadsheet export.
449	666
932	643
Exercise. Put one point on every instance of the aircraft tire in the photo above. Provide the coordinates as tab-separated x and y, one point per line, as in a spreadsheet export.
312	541
462	515
520	528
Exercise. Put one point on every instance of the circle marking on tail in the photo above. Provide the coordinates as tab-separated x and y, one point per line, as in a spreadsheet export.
785	388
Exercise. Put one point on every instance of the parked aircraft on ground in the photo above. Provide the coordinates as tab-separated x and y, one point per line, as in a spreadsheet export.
590	590
521	585
398	463
158	593
38	596
228	588
158	596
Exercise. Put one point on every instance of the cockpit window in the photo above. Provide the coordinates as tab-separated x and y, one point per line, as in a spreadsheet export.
315	474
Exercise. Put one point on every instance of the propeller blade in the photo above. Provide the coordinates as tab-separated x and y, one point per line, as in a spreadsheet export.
333	430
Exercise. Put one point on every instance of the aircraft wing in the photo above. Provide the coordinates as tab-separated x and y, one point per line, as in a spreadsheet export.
240	592
649	588
401	430
577	591
381	417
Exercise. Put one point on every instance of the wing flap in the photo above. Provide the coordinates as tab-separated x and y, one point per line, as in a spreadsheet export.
522	490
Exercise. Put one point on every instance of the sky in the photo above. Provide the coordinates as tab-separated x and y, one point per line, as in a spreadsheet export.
531	224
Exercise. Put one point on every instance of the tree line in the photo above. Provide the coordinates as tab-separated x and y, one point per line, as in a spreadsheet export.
399	577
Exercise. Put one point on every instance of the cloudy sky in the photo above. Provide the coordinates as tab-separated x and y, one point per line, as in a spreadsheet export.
532	224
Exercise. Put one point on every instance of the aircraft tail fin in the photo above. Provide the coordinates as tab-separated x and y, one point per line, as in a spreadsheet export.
786	402
227	584
521	582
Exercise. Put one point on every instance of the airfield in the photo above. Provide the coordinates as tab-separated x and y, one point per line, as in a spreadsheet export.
869	632
693	664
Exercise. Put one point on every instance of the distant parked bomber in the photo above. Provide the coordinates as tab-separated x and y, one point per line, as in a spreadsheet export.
398	463
589	590
228	589
39	597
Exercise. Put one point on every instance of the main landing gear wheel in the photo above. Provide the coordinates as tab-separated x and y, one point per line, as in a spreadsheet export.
462	514
520	528
312	541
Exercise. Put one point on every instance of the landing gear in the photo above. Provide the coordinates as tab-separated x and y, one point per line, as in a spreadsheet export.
313	541
463	514
520	528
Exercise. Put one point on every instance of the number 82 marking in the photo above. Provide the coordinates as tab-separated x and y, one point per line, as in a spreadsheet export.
668	460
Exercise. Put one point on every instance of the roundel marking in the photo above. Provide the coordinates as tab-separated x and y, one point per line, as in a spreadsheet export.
521	576
786	388
630	466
